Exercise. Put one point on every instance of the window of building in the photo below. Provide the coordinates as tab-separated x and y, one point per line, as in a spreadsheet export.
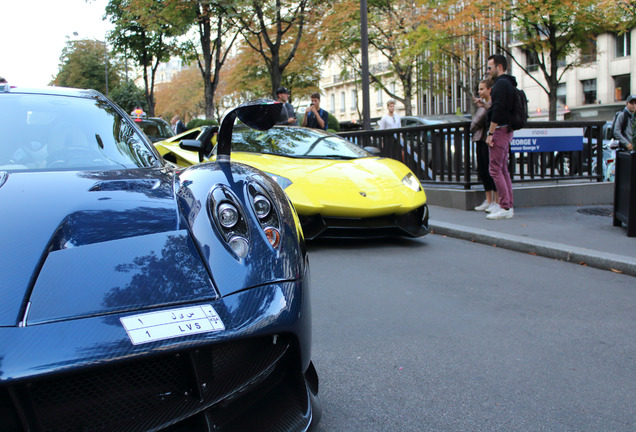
532	61
561	95
589	91
332	105
343	102
622	84
624	45
378	97
588	52
354	100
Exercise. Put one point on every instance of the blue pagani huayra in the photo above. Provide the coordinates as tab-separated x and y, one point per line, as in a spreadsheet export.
139	297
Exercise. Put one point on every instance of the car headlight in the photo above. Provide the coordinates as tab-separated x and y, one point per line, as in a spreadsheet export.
411	182
283	182
262	206
266	213
227	214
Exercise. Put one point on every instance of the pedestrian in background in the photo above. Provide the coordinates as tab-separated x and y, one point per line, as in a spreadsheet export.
500	134
287	113
316	117
390	120
623	125
479	129
177	125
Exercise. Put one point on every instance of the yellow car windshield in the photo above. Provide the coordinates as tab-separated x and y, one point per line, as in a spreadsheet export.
295	142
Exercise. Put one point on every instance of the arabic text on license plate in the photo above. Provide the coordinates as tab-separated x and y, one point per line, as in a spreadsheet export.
172	323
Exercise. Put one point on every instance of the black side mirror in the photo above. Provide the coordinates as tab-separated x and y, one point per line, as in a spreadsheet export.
260	114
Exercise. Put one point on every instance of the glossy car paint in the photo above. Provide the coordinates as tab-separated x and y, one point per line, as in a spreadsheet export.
82	249
368	187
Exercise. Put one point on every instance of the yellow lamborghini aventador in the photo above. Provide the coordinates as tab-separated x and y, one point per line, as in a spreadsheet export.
337	188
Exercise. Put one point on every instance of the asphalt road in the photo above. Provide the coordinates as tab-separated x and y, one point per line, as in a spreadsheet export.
440	334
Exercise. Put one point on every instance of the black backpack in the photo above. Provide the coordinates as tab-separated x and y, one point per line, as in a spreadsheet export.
623	125
519	116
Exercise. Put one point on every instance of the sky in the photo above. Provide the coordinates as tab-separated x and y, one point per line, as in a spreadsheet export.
34	32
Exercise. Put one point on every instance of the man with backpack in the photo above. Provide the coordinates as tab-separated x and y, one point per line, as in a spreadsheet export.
500	133
622	127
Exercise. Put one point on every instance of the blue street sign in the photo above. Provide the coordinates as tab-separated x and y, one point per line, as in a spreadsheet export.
547	140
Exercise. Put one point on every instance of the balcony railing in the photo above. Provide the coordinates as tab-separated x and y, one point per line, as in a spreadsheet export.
445	154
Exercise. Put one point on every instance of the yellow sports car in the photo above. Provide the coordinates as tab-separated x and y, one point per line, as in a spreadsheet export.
337	188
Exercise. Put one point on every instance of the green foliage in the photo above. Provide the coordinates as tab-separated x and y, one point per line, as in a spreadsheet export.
85	64
128	96
332	124
201	122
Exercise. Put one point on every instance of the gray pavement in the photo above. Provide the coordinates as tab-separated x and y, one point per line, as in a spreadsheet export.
582	235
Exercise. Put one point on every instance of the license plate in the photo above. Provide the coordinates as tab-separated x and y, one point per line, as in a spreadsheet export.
172	323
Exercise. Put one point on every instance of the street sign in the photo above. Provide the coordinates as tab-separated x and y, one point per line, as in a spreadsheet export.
547	140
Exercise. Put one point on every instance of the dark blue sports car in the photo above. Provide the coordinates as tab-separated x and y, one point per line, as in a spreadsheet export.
137	297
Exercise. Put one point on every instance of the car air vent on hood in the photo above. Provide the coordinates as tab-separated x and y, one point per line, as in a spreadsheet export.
122	185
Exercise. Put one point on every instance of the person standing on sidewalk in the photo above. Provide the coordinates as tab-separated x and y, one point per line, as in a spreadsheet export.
315	117
623	126
500	133
287	113
479	129
391	120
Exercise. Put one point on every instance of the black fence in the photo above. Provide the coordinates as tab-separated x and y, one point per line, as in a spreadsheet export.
444	153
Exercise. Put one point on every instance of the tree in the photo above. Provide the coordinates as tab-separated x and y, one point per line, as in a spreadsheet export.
390	22
247	76
558	32
87	64
145	39
454	39
274	30
182	96
215	35
128	96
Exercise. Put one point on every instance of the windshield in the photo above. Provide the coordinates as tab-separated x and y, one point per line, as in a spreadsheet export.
295	142
155	130
53	132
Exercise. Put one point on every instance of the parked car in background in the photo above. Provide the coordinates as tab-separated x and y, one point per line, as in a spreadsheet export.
571	163
137	297
337	188
155	128
411	121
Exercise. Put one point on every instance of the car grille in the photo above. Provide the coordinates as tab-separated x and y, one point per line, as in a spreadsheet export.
206	386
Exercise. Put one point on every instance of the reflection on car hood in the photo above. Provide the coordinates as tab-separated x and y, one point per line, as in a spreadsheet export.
66	214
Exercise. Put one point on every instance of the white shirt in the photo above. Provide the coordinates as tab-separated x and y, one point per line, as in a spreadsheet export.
390	122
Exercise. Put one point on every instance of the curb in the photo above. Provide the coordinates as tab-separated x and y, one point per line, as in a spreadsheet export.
576	255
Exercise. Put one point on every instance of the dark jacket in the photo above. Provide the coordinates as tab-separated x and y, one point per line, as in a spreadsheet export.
286	112
502	96
624	137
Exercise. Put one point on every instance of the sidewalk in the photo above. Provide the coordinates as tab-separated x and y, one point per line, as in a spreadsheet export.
577	234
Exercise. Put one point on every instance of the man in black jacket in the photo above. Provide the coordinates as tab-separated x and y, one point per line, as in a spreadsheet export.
500	133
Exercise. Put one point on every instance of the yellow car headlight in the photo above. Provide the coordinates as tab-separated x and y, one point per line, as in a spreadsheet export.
411	182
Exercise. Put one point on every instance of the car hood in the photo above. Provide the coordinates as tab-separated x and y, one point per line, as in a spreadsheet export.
366	187
69	248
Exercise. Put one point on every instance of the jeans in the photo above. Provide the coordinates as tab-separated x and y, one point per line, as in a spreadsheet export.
499	165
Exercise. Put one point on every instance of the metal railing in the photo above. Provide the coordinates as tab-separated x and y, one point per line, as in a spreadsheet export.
445	154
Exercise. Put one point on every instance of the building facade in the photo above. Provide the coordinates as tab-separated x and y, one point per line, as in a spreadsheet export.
595	90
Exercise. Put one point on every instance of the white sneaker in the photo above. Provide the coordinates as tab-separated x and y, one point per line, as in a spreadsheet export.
493	207
483	206
501	214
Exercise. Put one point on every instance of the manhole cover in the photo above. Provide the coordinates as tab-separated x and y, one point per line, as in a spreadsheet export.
597	211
